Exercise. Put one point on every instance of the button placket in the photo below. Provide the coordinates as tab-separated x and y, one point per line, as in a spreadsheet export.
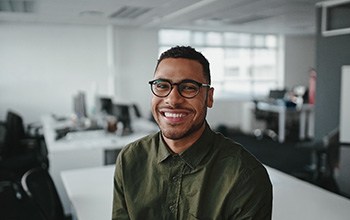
174	184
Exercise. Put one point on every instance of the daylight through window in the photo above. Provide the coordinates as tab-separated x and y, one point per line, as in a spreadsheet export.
243	66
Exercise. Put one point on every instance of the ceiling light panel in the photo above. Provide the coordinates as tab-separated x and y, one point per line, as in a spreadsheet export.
129	12
17	6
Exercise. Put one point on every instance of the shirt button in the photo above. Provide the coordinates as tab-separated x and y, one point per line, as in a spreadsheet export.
172	208
175	178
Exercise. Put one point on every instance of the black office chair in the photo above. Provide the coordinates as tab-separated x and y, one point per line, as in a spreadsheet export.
324	155
137	111
2	138
276	96
41	191
21	150
15	133
122	113
14	203
271	120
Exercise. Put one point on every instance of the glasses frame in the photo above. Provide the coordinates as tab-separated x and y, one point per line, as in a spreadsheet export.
200	85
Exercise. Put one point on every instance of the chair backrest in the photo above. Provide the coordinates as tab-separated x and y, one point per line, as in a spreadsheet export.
15	132
136	110
332	143
122	112
40	188
2	139
105	105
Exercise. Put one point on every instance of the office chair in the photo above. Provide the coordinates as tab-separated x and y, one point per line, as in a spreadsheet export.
2	138
105	105
14	205
19	151
324	155
42	193
271	120
122	113
137	111
14	133
275	97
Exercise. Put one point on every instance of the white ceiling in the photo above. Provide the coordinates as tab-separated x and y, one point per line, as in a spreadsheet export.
262	16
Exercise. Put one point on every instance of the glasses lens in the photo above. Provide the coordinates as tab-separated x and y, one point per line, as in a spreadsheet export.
161	88
188	89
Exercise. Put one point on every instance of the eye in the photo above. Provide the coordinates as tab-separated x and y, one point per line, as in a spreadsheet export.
189	87
162	85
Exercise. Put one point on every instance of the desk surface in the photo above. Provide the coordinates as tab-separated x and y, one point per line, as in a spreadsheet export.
90	192
92	139
306	111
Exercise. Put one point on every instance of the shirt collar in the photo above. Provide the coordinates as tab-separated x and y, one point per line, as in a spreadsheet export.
194	154
163	151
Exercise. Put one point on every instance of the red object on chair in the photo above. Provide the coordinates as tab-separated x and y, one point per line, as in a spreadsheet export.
312	86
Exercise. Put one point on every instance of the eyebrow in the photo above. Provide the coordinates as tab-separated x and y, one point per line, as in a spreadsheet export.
183	80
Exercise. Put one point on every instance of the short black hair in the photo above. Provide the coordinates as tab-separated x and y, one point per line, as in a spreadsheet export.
187	52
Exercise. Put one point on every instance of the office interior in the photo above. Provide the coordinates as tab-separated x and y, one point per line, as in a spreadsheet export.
44	65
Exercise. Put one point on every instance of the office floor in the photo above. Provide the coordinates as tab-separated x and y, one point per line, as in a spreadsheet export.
286	157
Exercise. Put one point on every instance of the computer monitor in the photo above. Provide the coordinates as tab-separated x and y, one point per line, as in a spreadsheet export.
122	113
277	93
79	105
105	105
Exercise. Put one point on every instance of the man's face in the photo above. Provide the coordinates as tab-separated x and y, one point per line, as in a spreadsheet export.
180	117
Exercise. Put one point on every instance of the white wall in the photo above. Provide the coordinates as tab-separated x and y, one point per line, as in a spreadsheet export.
225	112
135	58
41	67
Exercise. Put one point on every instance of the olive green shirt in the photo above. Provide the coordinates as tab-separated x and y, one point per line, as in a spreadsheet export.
215	178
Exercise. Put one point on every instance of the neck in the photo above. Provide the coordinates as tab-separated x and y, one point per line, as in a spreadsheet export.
180	145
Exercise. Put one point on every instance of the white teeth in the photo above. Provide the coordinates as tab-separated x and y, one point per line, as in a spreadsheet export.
173	115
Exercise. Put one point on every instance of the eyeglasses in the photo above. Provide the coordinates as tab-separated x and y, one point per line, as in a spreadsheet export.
186	88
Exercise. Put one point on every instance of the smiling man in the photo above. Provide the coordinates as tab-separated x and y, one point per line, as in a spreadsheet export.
187	171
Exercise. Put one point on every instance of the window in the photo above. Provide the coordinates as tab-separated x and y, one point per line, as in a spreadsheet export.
243	66
335	18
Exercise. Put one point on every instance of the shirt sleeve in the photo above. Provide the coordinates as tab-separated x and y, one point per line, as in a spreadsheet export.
119	207
252	197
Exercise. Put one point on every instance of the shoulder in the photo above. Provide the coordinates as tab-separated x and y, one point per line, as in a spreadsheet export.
227	147
237	158
141	145
139	150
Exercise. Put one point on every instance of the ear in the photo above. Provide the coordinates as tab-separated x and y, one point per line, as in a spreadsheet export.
210	97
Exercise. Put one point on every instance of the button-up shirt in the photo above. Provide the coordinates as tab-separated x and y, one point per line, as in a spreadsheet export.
215	178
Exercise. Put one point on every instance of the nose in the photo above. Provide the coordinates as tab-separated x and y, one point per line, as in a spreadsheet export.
174	97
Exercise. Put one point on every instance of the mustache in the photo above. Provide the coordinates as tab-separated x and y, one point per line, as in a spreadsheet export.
174	107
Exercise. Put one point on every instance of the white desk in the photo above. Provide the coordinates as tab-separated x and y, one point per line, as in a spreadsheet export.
306	118
91	191
83	149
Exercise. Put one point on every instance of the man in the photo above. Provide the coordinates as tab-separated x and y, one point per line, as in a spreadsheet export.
187	171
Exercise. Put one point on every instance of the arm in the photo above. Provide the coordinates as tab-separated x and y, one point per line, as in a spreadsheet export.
120	210
252	196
